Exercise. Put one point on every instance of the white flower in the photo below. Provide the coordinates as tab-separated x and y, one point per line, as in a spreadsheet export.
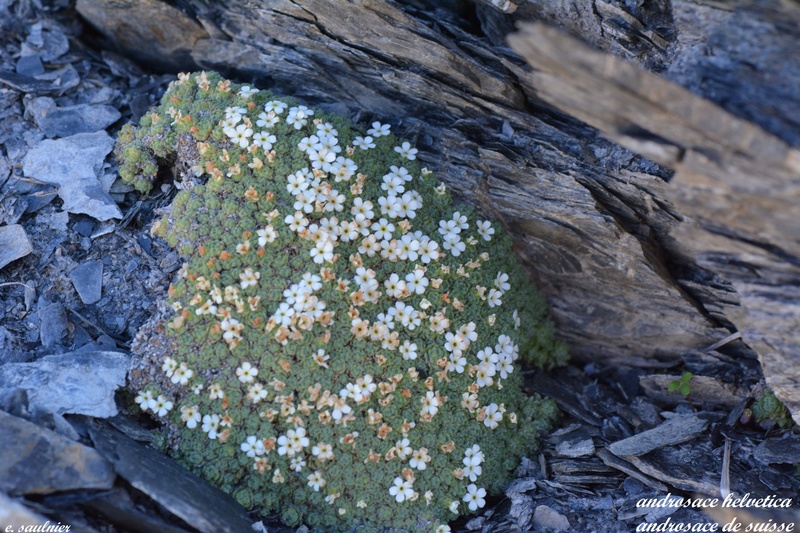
326	128
401	489
393	184
501	282
267	120
365	143
457	363
473	455
484	374
453	507
406	151
310	281
454	244
266	236
322	451
169	366
402	449
460	221
297	464
182	375
315	481
485	230
428	251
416	282
455	343
430	403
378	129
190	415
493	298
211	425
234	114
264	140
362	208
383	229
419	459
475	497
253	446
296	222
505	365
257	393
249	278
275	106
408	350
493	416
472	471
161	406
240	135
247	91
487	356
246	372
443	528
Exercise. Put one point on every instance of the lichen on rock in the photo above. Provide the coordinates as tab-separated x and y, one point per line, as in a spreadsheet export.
341	344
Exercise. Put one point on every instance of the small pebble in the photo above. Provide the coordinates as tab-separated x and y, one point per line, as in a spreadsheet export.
88	281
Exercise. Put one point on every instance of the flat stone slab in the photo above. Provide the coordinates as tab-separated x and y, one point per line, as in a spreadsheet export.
676	430
195	501
784	451
76	382
35	460
14	244
66	121
88	281
74	163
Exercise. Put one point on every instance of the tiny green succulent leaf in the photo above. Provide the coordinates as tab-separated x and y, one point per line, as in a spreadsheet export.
343	340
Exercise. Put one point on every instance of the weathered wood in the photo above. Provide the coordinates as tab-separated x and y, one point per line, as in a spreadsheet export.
737	185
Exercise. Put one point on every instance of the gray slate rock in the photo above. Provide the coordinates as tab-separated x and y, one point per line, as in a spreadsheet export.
73	163
75	382
14	244
52	324
88	281
195	501
678	429
35	460
785	450
546	518
65	121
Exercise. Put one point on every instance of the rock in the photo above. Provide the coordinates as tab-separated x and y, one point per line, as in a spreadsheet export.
150	31
50	42
30	65
52	324
785	450
84	227
75	382
680	428
88	281
15	515
546	518
575	449
66	121
195	501
521	504
14	244
73	163
34	460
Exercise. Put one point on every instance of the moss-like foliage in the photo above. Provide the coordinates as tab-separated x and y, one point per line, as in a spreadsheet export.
769	411
343	338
